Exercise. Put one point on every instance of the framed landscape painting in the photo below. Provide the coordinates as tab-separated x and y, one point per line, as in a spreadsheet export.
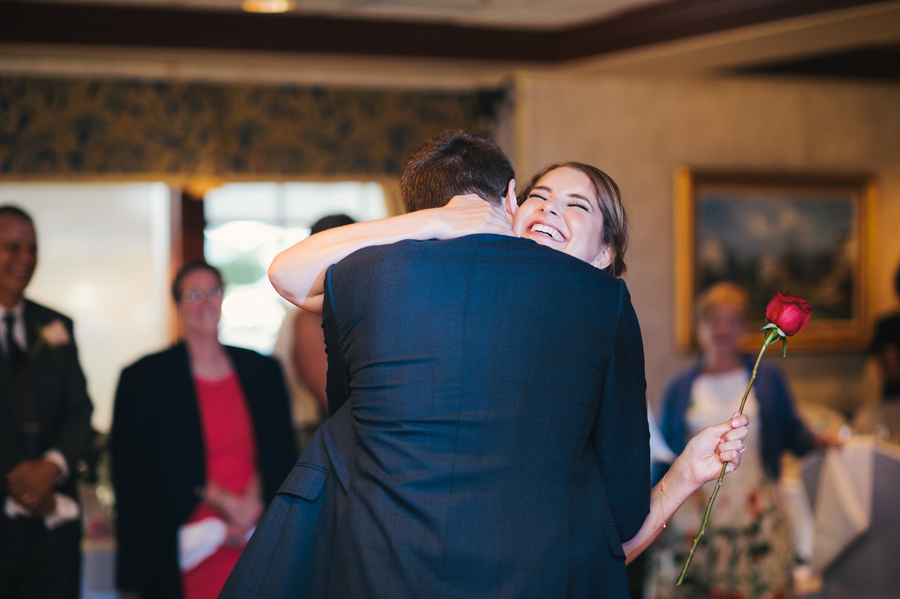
810	234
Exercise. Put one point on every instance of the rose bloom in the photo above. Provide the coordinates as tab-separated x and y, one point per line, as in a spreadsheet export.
788	312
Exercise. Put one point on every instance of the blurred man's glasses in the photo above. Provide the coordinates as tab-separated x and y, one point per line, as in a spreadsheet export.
196	296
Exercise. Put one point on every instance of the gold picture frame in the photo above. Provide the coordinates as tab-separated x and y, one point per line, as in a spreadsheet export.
813	234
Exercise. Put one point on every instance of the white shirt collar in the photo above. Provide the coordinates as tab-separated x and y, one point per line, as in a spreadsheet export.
16	310
18	327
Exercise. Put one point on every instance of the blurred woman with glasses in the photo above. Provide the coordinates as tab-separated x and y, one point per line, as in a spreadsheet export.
201	439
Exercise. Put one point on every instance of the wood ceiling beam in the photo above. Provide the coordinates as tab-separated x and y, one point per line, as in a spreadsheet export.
105	25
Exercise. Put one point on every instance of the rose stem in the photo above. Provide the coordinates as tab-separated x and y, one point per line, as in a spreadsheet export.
770	339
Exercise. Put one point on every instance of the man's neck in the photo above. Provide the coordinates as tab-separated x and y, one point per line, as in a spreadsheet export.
10	300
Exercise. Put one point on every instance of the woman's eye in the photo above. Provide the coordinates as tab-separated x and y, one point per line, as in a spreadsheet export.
535	196
579	205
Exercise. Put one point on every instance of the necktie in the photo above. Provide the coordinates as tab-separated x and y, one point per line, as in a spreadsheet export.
14	353
24	391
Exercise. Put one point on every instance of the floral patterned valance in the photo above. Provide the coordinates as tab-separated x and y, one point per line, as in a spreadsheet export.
132	128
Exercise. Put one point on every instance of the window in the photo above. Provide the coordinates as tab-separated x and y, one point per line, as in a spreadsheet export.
247	224
103	260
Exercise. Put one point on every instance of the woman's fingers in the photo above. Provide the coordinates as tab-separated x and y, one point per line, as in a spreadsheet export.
460	201
736	435
471	214
738	430
739	420
726	446
732	441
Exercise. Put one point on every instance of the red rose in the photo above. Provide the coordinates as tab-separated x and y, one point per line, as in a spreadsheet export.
789	313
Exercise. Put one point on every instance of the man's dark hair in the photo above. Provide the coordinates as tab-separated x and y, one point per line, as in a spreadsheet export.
453	163
186	270
15	211
329	222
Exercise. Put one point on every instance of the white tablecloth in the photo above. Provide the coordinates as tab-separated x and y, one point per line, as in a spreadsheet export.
853	495
98	569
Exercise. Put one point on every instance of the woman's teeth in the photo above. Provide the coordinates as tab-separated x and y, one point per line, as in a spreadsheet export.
548	231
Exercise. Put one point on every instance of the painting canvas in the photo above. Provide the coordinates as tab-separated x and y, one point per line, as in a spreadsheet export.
807	234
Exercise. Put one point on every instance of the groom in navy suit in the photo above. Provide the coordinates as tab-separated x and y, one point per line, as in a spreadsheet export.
494	438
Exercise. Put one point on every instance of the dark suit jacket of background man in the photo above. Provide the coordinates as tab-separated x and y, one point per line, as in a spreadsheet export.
159	460
496	441
65	410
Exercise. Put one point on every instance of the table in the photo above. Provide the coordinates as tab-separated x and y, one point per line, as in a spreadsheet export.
852	495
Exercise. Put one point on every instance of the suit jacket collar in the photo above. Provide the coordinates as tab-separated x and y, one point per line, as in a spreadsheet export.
34	320
6	399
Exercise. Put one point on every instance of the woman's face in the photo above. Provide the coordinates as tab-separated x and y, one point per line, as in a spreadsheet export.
562	212
200	304
722	329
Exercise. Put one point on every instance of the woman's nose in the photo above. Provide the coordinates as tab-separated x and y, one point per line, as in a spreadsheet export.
550	207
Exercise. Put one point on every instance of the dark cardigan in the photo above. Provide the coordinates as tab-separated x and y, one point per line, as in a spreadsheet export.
780	427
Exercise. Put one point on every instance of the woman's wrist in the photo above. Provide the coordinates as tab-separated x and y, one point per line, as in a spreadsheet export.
429	224
679	483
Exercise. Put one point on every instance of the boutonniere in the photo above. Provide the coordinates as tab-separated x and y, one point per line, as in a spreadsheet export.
51	335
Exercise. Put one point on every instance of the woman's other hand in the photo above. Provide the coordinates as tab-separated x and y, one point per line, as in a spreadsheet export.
243	512
240	512
469	214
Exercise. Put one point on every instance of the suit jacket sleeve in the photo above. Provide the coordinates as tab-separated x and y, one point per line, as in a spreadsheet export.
798	438
337	382
782	428
674	405
621	435
129	447
281	445
74	431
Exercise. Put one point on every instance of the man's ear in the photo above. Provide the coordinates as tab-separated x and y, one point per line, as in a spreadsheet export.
510	200
604	258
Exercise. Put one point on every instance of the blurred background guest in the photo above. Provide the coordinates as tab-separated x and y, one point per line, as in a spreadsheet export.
883	418
45	428
748	548
300	347
201	439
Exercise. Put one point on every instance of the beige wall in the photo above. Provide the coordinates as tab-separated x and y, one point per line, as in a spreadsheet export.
640	130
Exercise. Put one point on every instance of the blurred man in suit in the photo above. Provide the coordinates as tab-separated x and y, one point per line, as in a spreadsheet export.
45	428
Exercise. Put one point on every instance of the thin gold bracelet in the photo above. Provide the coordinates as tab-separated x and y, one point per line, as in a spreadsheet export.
662	493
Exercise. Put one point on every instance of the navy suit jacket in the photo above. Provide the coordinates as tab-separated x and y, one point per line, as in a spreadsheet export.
65	407
159	460
494	438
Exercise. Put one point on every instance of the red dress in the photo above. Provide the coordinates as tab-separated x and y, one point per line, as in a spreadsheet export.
230	463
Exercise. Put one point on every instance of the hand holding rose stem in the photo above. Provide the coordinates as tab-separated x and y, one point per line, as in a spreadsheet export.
787	315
